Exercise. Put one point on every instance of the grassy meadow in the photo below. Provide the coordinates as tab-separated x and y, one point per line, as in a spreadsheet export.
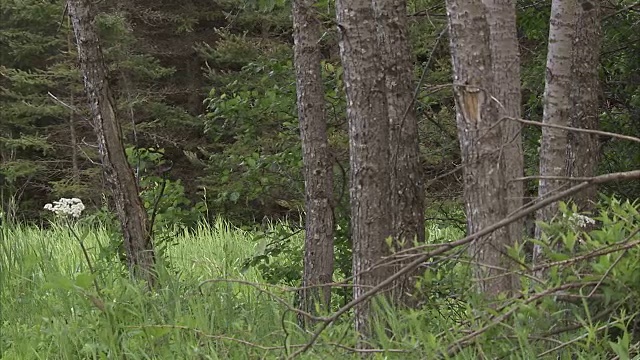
206	306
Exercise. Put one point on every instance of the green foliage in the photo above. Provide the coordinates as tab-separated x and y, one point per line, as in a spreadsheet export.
279	255
51	309
252	122
164	199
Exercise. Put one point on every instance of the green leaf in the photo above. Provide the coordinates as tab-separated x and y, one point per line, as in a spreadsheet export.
58	281
84	280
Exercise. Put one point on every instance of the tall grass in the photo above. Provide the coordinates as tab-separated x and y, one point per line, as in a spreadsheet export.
51	311
204	307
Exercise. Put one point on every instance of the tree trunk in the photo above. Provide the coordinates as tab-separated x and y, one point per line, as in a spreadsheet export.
583	149
369	148
318	174
553	147
132	215
480	142
72	125
505	59
407	193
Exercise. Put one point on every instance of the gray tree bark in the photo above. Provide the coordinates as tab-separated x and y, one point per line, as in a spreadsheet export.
407	192
505	59
553	147
318	174
583	149
481	138
369	148
72	127
131	213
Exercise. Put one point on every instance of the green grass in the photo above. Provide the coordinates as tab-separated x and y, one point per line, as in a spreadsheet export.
49	308
47	313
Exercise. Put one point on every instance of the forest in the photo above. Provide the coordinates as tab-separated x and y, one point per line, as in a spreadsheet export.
320	179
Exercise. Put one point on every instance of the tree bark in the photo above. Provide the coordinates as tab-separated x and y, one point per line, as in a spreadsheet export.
369	148
407	192
318	174
480	142
131	213
553	147
583	149
505	60
72	124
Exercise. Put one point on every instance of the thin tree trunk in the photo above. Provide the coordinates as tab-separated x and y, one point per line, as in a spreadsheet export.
480	142
131	213
407	192
369	148
318	174
583	149
74	147
72	125
553	147
505	59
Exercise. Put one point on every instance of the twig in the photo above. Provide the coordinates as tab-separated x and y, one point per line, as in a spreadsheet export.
606	273
460	344
603	327
72	108
573	129
602	251
547	177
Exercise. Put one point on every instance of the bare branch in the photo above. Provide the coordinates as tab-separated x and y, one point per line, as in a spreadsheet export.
573	129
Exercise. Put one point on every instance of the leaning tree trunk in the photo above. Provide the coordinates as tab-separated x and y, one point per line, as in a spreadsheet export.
505	59
132	215
369	148
553	147
318	174
583	149
407	192
480	142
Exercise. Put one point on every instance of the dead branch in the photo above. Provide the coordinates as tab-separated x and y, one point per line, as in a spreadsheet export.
573	129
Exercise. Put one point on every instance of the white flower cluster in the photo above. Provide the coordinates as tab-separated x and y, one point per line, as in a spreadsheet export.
66	206
581	221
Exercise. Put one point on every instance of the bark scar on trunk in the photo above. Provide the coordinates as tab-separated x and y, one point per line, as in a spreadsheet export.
472	99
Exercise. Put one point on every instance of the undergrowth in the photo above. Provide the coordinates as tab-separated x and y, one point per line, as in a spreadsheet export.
210	305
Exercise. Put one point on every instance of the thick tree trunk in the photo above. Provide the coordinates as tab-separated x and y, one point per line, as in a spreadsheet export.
132	215
583	149
480	142
407	193
318	174
505	58
553	147
369	148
